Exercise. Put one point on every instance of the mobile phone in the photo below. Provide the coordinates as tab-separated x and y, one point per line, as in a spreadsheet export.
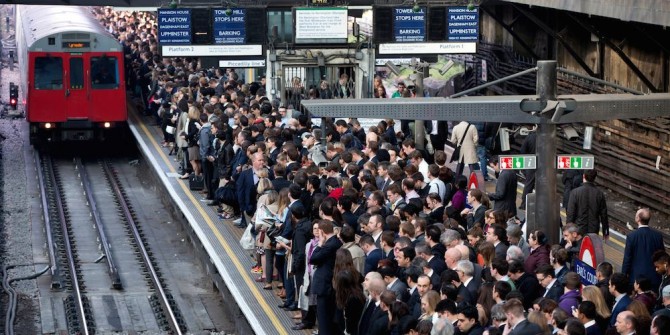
323	164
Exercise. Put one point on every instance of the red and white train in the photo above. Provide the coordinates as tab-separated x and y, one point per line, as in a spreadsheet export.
72	74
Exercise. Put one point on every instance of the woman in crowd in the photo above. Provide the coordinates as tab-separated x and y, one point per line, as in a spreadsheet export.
280	254
539	319
486	252
485	302
263	218
539	251
191	137
595	295
642	315
643	293
306	299
349	297
428	303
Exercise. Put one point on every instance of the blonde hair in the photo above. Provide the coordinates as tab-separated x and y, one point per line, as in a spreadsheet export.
194	113
593	294
539	319
432	298
264	184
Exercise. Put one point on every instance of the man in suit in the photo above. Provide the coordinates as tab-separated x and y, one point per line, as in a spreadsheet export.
547	277
465	271
372	254
641	245
435	263
619	289
516	321
505	194
498	236
414	302
587	207
245	187
389	274
626	323
525	283
280	180
371	311
463	295
380	325
586	313
468	321
323	258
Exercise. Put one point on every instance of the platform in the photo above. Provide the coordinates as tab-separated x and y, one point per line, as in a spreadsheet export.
219	239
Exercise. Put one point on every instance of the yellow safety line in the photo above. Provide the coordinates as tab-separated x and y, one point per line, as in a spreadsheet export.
247	279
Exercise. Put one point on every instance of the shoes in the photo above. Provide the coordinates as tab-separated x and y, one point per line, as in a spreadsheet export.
213	203
237	221
297	316
267	287
315	332
257	270
260	279
243	226
301	326
185	176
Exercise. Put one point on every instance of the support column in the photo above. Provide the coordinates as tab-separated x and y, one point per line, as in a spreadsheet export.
419	129
547	215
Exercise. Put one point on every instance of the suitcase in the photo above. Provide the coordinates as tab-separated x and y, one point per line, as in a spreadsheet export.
196	183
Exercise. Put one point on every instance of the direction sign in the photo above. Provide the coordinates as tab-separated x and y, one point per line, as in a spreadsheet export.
518	162
579	162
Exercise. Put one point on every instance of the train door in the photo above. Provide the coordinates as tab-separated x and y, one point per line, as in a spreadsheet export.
106	89
46	93
75	92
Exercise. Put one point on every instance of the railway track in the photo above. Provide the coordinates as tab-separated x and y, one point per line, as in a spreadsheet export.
88	220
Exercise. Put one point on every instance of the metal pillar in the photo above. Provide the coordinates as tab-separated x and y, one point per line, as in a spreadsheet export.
547	217
419	129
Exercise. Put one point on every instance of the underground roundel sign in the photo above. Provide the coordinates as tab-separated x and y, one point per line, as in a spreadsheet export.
590	255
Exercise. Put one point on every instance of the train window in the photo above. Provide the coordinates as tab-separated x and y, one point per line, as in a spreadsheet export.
48	73
76	73
104	72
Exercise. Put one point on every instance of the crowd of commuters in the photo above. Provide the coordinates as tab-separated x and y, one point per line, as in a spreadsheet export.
359	232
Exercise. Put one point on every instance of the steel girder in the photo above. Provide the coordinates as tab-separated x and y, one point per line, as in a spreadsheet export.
508	109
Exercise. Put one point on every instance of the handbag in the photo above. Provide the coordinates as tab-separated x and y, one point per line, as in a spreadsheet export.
169	129
247	240
457	150
196	183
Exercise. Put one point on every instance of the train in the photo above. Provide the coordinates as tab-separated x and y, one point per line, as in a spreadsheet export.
72	75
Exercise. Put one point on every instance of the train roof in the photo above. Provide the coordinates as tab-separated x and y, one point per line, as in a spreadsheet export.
39	22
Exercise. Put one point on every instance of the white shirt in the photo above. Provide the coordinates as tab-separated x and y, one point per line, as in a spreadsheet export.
423	168
391	283
590	323
465	283
437	186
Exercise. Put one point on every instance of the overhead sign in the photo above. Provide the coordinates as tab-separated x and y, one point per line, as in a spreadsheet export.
518	162
174	26
229	26
462	24
321	25
396	61
581	162
408	25
242	63
212	50
427	48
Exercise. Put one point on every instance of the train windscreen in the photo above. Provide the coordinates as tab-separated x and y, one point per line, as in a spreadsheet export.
48	73
76	73
104	72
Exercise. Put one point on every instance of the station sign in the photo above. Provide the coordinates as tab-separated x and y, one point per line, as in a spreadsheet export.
462	24
212	50
242	63
174	26
518	162
591	254
321	25
229	26
427	48
408	25
578	162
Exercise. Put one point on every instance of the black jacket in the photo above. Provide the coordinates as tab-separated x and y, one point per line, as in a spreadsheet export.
301	234
587	208
323	258
505	194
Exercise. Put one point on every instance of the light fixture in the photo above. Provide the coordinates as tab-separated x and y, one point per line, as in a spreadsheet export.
446	67
416	7
471	5
229	11
173	4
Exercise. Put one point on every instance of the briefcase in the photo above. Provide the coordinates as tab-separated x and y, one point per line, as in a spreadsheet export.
196	183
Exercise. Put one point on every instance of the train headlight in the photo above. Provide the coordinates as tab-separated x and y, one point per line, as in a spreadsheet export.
107	124
47	125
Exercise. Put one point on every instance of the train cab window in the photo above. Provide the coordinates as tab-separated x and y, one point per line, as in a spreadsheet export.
48	73
104	72
76	73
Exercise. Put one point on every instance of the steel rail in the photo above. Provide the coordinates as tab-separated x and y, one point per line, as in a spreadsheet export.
56	278
78	297
162	295
97	223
